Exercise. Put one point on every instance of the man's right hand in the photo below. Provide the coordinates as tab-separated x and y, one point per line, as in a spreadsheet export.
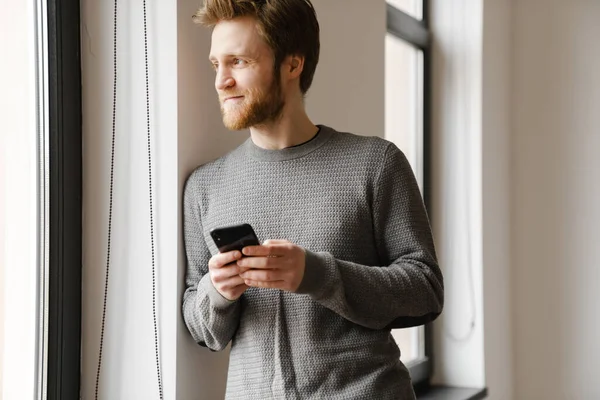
225	274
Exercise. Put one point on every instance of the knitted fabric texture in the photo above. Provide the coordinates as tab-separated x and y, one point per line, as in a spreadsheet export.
352	202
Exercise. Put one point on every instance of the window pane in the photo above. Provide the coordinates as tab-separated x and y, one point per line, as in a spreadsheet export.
23	209
411	342
404	100
411	7
404	127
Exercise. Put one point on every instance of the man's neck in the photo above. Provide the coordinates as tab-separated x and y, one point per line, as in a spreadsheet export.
291	129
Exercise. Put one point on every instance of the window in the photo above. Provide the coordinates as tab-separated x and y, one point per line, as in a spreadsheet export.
406	124
413	8
404	100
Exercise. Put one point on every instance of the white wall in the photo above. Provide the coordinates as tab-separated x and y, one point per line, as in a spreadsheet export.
555	142
537	201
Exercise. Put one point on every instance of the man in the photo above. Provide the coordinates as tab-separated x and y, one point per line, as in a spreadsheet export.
349	251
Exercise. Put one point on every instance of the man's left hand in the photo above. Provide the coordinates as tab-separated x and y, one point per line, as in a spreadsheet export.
276	264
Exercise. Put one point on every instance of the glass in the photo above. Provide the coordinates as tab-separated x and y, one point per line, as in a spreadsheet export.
411	342
404	100
404	71
414	8
24	238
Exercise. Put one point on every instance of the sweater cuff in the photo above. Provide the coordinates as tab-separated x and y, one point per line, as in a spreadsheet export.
217	300
317	274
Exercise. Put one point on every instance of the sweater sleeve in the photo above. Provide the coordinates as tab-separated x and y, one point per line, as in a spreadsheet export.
407	289
211	318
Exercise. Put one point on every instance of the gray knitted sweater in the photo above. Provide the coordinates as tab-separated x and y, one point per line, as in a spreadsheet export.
353	204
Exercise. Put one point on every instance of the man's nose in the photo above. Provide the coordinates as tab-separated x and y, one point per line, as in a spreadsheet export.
223	80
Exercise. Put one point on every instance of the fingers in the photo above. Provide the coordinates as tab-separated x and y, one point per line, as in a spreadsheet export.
228	282
221	259
263	275
268	262
232	289
224	273
270	248
276	264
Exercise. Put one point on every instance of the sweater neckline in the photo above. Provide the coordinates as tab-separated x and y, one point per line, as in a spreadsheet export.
289	153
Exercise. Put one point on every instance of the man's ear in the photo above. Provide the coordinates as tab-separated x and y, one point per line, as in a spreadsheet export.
294	65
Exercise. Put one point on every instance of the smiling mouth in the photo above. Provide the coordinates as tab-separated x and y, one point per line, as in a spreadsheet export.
232	98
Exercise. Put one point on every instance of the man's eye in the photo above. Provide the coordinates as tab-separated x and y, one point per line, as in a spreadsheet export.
237	61
215	66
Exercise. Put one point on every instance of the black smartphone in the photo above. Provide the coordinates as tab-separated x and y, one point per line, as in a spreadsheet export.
234	237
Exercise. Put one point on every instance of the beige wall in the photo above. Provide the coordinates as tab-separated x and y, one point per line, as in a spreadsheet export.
348	88
201	138
556	198
496	192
